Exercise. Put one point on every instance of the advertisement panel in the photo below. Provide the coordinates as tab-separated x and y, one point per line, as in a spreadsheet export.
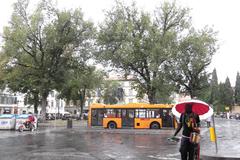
7	121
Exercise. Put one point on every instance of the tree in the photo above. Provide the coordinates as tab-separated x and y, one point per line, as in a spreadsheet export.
112	92
17	80
188	67
237	90
40	45
214	89
132	42
80	84
229	99
221	106
226	94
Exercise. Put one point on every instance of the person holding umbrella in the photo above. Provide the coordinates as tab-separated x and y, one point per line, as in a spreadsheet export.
190	122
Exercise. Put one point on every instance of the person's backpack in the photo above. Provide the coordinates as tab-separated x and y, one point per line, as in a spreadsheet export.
190	120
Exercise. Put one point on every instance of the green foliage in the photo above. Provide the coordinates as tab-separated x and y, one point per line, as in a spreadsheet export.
40	46
81	83
229	99
188	67
214	89
86	78
225	95
112	92
237	90
132	41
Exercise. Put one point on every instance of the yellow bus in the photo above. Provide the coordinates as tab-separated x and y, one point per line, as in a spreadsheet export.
133	115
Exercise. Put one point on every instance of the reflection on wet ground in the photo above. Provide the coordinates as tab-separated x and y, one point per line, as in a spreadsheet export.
89	144
228	139
100	144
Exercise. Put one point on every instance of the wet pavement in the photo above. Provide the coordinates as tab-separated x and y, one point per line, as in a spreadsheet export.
228	139
81	143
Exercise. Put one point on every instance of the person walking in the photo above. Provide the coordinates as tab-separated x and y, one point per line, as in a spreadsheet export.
190	122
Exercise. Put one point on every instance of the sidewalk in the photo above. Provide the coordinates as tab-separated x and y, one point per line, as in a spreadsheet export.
205	157
228	136
63	123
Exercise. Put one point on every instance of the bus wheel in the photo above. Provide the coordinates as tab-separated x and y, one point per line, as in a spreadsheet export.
112	125
155	125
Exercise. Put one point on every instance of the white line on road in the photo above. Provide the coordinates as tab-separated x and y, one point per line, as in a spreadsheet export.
163	158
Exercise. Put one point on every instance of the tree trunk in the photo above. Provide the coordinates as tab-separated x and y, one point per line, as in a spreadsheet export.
81	108
152	96
44	105
193	94
82	101
191	91
36	102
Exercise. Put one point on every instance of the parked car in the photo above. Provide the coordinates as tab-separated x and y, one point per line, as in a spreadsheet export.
66	116
223	115
237	116
85	116
232	116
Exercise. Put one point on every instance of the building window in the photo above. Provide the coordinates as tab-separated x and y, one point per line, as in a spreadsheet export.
52	104
52	93
1	99
4	100
7	111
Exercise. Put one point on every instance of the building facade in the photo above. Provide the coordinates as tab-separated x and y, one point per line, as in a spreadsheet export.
13	103
8	104
54	104
129	95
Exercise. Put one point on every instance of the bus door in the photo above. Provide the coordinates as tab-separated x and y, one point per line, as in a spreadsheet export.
97	117
128	117
167	120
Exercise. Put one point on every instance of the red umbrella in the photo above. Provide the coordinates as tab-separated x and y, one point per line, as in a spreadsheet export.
199	107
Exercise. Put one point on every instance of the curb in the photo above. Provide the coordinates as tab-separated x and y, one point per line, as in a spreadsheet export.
205	157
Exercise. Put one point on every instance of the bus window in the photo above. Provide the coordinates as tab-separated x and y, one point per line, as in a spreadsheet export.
124	112
110	113
97	117
167	118
140	113
131	113
94	117
118	113
128	117
113	113
153	113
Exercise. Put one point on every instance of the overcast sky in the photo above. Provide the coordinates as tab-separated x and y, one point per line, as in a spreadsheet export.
222	15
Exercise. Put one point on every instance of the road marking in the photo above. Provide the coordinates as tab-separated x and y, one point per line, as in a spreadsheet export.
143	147
173	155
163	158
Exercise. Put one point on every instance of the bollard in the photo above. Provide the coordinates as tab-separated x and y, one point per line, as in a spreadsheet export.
212	134
69	123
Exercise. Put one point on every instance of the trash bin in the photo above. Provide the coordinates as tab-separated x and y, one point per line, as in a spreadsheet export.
69	123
